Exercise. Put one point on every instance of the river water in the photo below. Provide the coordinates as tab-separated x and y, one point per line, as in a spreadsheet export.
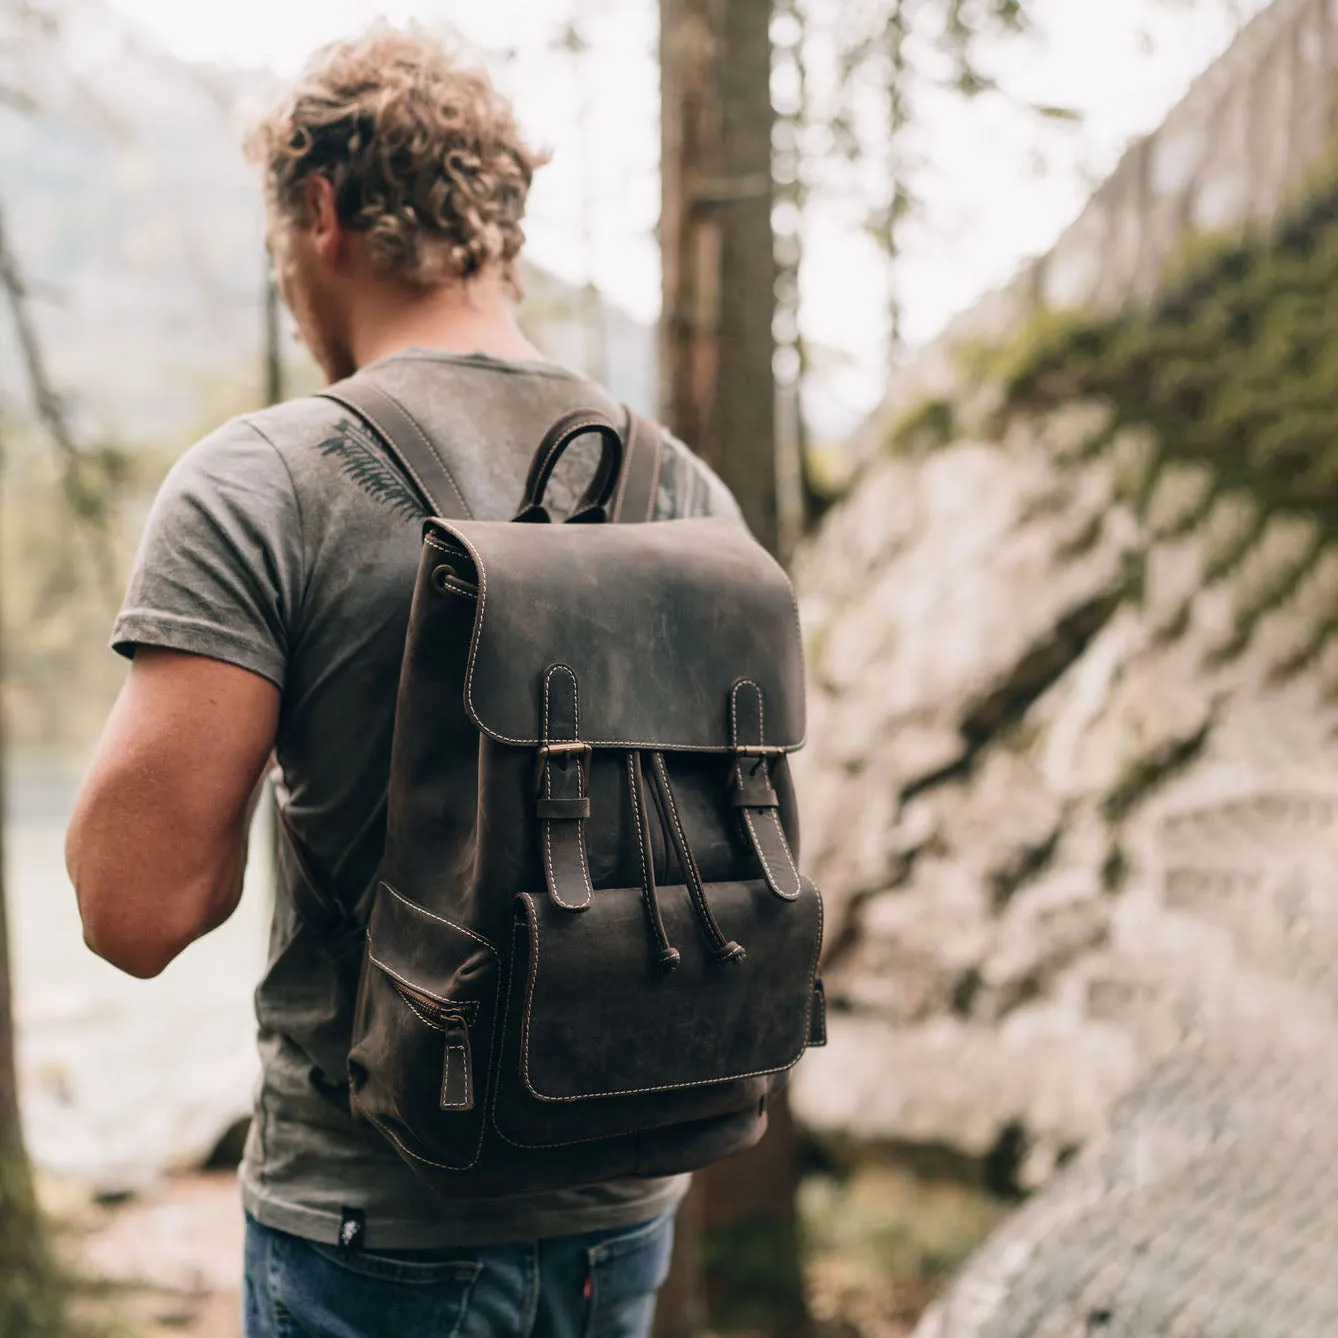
123	1079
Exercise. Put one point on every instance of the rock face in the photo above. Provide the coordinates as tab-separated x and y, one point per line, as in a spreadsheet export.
1208	1208
1016	674
1071	783
1033	640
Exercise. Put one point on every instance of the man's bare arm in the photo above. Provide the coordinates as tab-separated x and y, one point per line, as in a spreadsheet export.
157	843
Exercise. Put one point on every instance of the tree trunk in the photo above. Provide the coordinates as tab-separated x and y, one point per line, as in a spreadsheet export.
719	268
737	1261
274	388
31	1299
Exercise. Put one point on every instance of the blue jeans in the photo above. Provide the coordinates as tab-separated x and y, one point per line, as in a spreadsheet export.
601	1285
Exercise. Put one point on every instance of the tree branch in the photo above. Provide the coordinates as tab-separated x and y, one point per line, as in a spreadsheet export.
49	405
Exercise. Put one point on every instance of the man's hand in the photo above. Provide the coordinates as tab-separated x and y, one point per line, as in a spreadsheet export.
157	844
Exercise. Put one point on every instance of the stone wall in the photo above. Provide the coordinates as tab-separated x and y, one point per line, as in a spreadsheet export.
1031	643
1015	669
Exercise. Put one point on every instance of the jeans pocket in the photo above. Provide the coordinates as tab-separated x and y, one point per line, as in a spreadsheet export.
627	1270
318	1289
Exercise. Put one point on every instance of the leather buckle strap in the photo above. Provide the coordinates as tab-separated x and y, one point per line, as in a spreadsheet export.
563	802
548	751
751	785
752	794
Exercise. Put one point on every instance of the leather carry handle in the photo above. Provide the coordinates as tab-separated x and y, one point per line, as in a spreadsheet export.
401	434
593	508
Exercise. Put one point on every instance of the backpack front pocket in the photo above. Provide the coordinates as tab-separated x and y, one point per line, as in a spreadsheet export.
422	1039
601	1040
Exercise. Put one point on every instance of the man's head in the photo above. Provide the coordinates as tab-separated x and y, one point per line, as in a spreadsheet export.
389	168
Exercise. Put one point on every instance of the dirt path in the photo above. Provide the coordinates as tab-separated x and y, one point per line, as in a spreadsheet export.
166	1262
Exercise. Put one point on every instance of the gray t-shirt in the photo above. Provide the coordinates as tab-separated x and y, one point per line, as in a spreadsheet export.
286	543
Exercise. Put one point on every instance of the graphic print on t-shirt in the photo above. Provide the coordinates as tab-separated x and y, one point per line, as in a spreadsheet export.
363	459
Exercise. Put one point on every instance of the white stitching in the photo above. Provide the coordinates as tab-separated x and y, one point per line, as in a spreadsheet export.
581	855
552	877
492	1048
772	880
734	712
410	985
432	450
785	846
419	1014
414	906
532	921
632	789
363	412
548	792
457	586
389	1133
757	849
468	1102
506	1026
591	420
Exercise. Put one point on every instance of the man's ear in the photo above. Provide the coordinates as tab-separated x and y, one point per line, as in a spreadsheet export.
327	233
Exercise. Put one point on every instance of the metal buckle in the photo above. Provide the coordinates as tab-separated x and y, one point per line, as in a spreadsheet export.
758	750
547	751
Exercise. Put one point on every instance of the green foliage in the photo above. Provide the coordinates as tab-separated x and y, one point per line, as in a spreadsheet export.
61	579
32	1291
1237	365
882	1241
751	1281
931	423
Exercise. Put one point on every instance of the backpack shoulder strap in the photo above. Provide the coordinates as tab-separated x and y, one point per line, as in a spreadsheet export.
407	442
639	486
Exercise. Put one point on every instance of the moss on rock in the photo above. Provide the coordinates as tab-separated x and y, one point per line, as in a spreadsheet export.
1236	365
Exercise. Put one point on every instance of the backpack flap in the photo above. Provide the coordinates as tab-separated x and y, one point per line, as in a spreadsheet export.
690	608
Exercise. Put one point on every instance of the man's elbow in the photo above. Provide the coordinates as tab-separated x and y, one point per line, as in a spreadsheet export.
141	952
138	944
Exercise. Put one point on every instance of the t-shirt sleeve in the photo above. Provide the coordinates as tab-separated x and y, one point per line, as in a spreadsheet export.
690	487
220	567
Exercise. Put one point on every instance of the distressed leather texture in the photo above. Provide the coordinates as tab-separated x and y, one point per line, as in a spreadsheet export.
693	607
590	953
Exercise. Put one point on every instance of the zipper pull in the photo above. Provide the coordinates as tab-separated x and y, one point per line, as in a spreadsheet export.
457	1076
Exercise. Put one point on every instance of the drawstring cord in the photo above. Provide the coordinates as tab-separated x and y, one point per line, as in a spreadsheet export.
669	956
724	950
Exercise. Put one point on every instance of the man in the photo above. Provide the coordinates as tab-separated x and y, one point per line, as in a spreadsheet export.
266	619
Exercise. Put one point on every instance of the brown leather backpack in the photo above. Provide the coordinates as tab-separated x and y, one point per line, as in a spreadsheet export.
590	952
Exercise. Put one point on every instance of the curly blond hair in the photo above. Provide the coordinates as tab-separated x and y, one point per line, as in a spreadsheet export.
423	154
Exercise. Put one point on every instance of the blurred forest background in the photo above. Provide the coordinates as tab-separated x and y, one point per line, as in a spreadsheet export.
833	179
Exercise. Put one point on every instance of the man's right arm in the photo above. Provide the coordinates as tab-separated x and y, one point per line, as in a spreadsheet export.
157	844
156	847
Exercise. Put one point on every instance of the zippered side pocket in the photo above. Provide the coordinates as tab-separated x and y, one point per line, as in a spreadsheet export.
418	1068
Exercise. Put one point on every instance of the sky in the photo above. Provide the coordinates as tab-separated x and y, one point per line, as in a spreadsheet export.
997	184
